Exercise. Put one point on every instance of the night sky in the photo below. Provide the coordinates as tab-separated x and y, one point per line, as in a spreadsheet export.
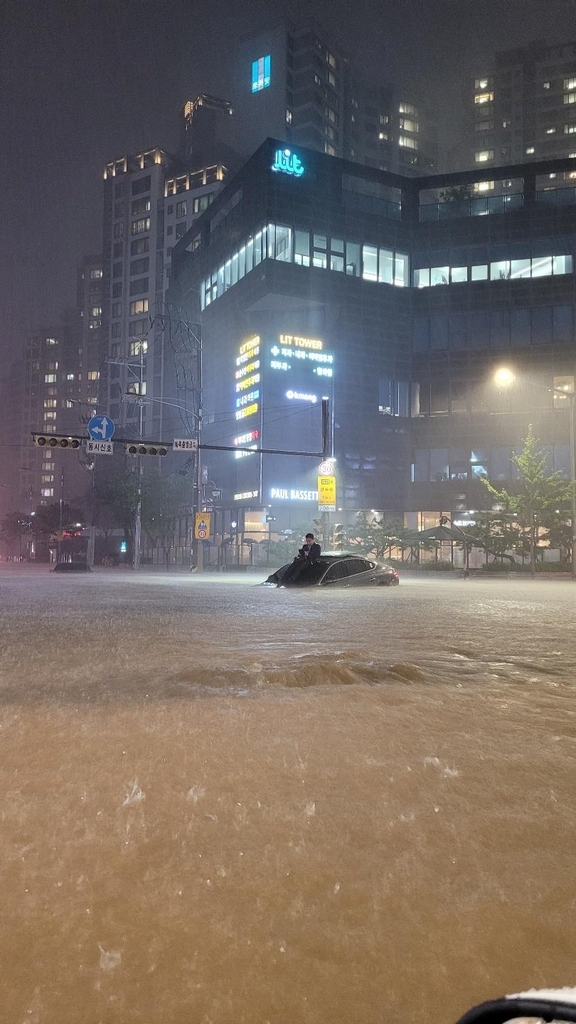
83	81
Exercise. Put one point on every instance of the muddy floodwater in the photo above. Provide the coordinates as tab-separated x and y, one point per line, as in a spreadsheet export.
224	804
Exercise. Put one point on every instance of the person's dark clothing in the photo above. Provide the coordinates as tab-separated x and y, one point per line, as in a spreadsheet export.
310	551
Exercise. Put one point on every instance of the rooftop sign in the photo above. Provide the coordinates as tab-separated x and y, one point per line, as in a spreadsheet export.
288	163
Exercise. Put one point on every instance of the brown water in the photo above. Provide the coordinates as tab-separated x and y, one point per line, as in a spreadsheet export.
226	804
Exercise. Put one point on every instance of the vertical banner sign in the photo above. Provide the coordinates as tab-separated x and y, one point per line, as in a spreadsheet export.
202	525
327	493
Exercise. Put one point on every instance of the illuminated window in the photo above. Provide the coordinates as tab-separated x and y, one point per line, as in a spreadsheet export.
202	203
407	108
484	186
382	136
409	126
546	85
49	403
484	97
47	492
51	341
96	274
530	150
141	225
550	131
47	479
570	97
140	206
482	156
570	83
481	83
49	415
49	378
69	376
181	208
93	375
408	142
137	347
138	306
329	149
96	311
570	129
261	73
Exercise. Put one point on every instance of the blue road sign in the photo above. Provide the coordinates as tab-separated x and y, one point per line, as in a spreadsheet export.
101	428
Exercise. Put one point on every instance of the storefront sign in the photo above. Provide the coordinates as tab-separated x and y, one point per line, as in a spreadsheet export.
288	163
291	494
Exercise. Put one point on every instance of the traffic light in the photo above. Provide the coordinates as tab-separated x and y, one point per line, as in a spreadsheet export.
338	537
318	526
56	441
146	449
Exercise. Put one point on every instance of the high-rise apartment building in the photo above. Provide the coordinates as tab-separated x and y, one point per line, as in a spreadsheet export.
150	201
524	109
206	130
297	84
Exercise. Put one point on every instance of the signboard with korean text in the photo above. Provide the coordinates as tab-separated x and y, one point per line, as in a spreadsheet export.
202	525
327	493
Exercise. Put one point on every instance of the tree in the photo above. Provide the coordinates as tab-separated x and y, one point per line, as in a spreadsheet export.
456	193
113	502
163	498
539	499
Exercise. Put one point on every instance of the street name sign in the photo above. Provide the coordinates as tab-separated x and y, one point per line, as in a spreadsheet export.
99	447
185	444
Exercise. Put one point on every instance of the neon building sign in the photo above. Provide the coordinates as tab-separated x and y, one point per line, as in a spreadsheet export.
288	163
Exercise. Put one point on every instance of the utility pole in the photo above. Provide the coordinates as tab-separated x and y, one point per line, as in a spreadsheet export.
61	516
140	469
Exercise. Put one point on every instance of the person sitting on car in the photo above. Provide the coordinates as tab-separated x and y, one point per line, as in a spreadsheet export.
308	553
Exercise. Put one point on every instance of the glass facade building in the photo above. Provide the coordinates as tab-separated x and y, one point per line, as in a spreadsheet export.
337	283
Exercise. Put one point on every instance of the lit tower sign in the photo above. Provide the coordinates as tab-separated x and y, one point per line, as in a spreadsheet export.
288	162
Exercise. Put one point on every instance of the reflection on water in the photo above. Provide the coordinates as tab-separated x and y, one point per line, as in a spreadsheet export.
221	803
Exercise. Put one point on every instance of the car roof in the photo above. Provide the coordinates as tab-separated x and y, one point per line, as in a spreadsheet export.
337	556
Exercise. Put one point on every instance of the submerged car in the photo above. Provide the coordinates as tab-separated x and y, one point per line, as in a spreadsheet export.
336	570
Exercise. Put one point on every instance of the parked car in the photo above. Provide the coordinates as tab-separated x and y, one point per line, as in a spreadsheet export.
337	570
72	567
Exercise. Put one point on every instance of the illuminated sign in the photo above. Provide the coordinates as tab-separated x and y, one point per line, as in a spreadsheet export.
326	468
244	454
288	163
248	346
243	439
241	414
291	494
246	399
327	493
275	364
245	495
248	382
298	342
261	76
248	368
301	396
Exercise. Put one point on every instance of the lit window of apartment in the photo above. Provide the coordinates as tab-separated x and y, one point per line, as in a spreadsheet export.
66	404
483	97
136	387
384	119
96	311
570	129
569	83
546	85
288	116
92	401
181	208
331	60
49	403
331	115
482	156
484	186
141	225
407	142
530	150
409	126
137	347
47	492
570	97
550	131
138	306
481	83
96	274
329	149
93	374
140	206
49	378
202	202
51	341
47	479
382	136
49	416
407	108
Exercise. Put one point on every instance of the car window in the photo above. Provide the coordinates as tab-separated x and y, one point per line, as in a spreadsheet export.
336	572
355	565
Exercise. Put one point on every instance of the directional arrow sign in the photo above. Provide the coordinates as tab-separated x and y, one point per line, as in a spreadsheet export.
101	428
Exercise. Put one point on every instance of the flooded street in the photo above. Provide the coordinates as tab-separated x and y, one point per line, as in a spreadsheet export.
227	804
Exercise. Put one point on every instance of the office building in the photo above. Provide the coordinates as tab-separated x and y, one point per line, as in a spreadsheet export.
524	107
396	298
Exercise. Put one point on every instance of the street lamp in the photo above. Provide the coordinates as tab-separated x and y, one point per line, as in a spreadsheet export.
504	378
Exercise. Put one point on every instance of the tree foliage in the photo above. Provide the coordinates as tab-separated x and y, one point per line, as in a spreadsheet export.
163	498
539	503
